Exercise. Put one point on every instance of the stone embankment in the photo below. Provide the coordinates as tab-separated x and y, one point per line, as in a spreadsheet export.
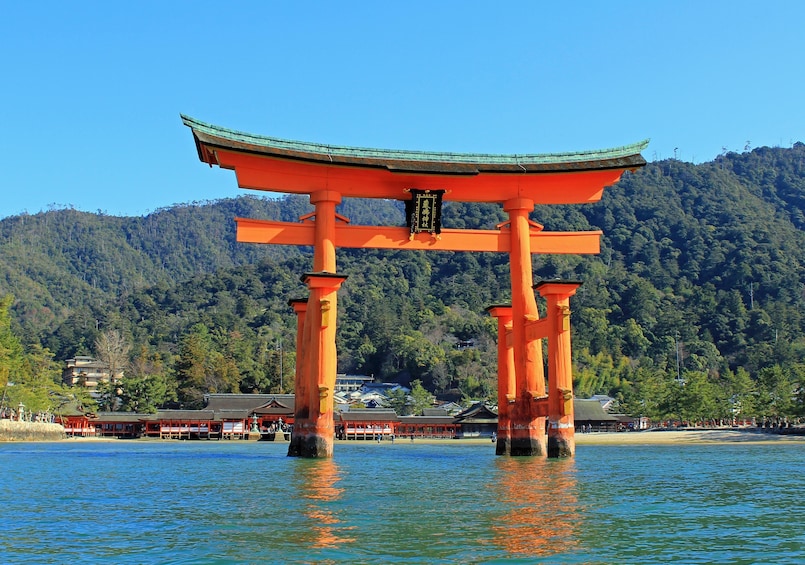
11	430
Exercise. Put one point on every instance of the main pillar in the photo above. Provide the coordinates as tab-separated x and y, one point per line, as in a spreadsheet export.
527	425
561	425
314	432
325	202
506	380
313	435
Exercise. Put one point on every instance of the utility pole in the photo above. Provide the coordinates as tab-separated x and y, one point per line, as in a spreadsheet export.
279	346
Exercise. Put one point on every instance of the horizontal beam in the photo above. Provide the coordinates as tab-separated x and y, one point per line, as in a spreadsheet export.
384	237
536	330
299	177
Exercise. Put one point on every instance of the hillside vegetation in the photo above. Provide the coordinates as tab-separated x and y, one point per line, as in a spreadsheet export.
693	310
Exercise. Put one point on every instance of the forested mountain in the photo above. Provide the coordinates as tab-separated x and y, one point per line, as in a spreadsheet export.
698	291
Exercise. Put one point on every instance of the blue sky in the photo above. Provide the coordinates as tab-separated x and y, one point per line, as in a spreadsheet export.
91	92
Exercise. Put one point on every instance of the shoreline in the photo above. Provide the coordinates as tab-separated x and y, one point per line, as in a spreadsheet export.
695	436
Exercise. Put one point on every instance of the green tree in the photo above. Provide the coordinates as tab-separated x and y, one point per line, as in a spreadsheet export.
600	373
201	368
107	395
635	342
31	377
700	399
646	394
143	395
145	387
741	393
775	392
399	401
11	353
39	380
193	370
420	398
414	354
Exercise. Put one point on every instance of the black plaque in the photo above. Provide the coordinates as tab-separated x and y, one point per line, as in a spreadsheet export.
424	211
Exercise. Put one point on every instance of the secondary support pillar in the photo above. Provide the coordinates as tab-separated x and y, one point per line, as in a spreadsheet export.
506	382
527	425
301	408
561	425
314	435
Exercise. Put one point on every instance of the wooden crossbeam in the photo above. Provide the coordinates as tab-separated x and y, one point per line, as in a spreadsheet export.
384	237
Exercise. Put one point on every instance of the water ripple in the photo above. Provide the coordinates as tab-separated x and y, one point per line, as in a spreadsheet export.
240	502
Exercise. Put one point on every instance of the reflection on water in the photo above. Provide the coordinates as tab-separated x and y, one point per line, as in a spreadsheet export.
543	516
317	479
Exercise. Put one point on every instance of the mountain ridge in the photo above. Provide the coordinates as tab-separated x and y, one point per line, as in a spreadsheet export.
708	256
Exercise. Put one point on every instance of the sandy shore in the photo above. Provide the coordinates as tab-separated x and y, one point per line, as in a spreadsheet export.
659	437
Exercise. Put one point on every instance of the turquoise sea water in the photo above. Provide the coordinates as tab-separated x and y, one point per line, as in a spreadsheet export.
241	502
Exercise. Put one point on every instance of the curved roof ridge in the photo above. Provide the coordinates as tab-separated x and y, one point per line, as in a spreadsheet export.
261	143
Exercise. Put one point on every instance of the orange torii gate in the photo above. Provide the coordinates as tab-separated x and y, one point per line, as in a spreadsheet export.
423	180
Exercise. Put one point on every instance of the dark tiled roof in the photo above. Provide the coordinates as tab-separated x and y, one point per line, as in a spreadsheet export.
185	415
590	411
232	414
416	161
121	417
369	415
246	401
440	420
434	412
276	406
477	413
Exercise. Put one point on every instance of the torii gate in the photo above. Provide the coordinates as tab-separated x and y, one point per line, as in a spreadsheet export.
423	180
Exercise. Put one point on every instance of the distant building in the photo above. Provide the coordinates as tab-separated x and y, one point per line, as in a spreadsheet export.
366	423
607	402
433	423
589	415
351	383
225	416
479	420
233	416
452	408
383	388
88	372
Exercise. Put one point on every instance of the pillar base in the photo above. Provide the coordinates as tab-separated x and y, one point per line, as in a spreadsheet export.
503	441
528	440
503	446
527	447
526	435
311	446
561	445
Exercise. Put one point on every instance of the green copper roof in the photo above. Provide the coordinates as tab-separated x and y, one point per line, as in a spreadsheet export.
212	136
